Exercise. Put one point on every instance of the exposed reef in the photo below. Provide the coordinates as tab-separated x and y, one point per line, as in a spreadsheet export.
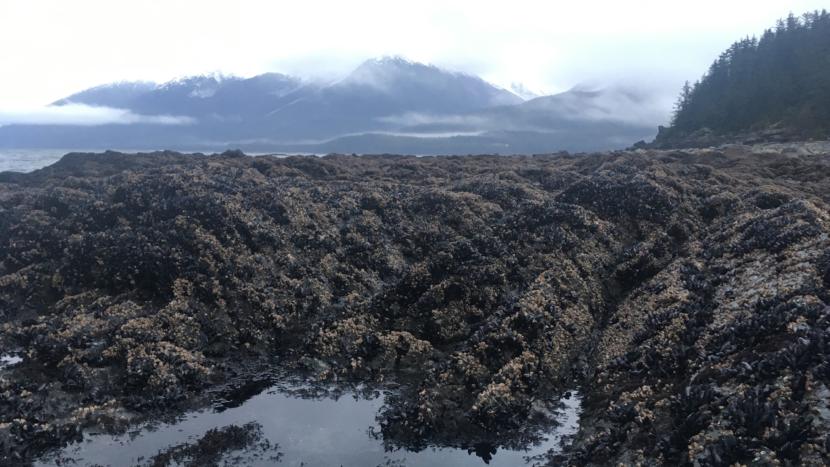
685	292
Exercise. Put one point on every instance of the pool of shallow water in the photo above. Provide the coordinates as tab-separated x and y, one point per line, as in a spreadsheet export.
331	430
9	360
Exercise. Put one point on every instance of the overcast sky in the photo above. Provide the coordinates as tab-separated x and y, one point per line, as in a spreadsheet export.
51	48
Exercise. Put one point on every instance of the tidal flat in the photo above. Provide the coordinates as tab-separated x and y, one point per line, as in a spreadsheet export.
682	293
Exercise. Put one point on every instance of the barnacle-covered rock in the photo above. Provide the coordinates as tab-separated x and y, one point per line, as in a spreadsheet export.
686	292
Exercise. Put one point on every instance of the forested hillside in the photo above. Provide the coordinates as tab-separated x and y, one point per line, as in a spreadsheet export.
781	79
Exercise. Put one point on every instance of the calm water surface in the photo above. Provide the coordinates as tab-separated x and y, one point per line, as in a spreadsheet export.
301	430
27	160
9	360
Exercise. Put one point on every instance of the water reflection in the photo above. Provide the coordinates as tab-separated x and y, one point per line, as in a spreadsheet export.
294	422
9	360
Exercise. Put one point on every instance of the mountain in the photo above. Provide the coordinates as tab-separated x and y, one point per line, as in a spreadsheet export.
564	111
201	97
385	105
118	95
377	91
522	91
397	84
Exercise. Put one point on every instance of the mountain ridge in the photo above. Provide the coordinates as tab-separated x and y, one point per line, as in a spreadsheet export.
389	96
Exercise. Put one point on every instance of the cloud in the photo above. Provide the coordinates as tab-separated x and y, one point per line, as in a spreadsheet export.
624	103
85	115
627	103
419	119
548	46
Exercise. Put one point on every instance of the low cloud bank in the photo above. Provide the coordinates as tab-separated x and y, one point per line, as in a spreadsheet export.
85	115
625	103
420	118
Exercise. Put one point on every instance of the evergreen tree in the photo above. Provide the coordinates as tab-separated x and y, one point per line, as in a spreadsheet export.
781	78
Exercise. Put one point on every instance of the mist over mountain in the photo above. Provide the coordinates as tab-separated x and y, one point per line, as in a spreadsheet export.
203	97
388	104
120	95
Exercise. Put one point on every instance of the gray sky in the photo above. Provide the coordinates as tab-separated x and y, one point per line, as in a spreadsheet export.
51	48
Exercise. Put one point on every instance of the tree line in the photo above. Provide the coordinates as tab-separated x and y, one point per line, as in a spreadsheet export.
782	78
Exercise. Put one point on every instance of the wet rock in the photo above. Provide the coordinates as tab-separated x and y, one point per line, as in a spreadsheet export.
685	291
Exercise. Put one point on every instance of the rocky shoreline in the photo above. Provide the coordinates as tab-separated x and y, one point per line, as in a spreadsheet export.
770	136
685	290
